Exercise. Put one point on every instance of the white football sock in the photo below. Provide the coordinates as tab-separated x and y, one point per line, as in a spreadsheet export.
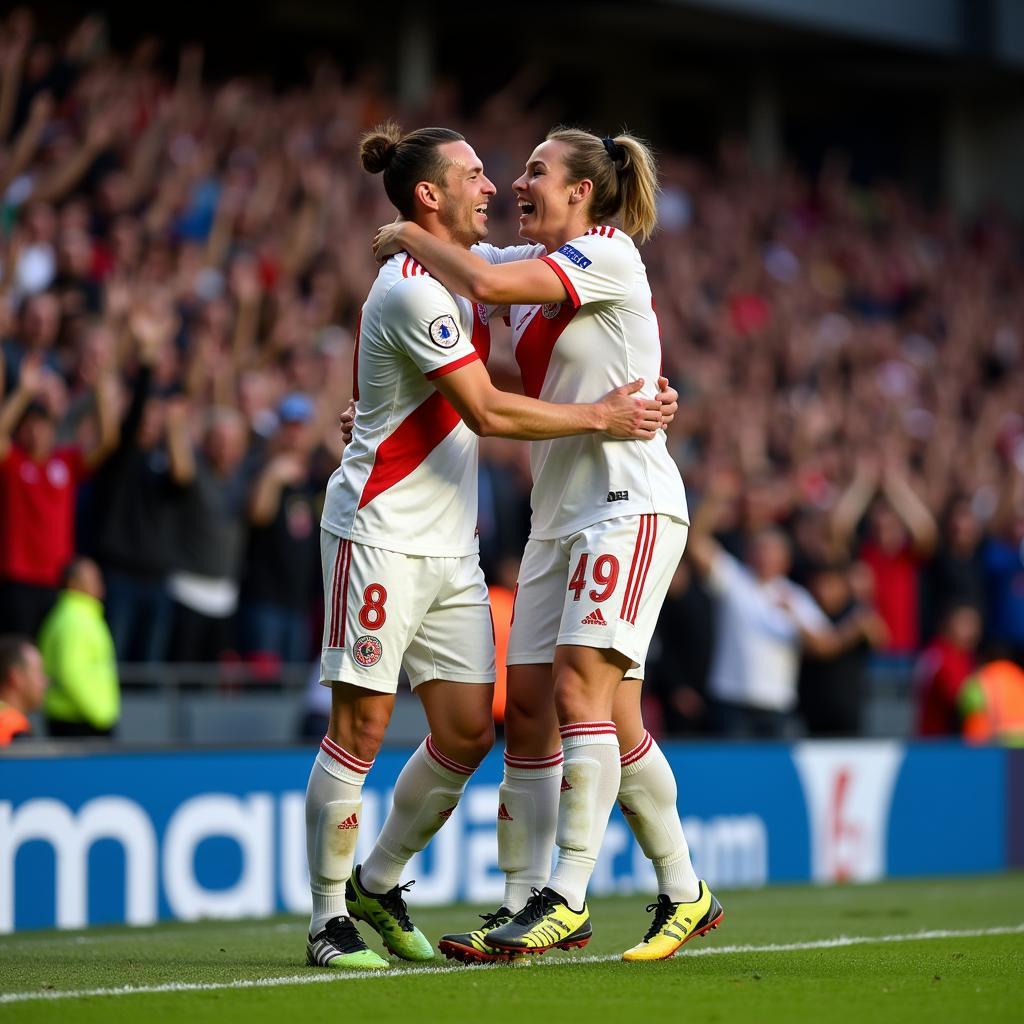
527	816
590	782
333	806
647	798
427	791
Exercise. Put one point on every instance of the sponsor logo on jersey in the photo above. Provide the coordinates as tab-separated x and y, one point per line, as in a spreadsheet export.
618	495
575	256
444	332
367	651
551	310
595	618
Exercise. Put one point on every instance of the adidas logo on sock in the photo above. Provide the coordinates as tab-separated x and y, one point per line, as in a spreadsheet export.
565	785
626	810
350	822
503	814
595	618
445	815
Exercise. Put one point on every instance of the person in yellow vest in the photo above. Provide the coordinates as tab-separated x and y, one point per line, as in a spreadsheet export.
992	704
84	697
22	684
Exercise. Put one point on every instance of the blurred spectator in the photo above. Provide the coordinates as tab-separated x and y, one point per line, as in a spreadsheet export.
502	592
941	670
832	689
22	685
992	704
764	620
282	562
1003	554
136	499
676	673
209	541
84	698
901	535
38	486
956	574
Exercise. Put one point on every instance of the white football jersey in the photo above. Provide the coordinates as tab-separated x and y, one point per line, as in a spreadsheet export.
605	335
408	478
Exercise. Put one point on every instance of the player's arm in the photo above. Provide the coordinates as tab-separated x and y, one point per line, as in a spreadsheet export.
466	273
493	413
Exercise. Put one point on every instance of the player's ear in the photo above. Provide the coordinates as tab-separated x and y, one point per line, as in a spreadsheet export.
428	194
581	191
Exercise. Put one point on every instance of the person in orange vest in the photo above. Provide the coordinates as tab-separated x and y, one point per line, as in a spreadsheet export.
502	592
22	684
992	704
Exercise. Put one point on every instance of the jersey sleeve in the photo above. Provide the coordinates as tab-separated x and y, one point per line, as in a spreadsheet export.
420	318
508	253
595	267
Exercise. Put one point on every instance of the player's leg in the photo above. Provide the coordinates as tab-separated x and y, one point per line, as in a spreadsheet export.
685	906
455	642
609	581
363	640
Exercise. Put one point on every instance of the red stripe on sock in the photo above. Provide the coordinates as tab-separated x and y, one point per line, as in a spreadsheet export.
587	729
639	750
446	762
551	761
342	756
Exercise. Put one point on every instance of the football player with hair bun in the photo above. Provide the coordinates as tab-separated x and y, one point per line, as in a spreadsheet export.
609	527
402	579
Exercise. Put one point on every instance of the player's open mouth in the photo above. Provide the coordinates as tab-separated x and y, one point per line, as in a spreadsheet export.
525	209
482	209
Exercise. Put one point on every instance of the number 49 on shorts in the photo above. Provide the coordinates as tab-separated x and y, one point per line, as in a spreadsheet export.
605	575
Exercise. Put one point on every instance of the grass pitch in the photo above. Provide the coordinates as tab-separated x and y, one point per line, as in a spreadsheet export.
942	950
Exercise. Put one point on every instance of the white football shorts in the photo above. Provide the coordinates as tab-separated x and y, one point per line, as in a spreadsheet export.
384	609
600	587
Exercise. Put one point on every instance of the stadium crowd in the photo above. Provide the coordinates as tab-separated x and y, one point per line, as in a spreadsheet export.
182	262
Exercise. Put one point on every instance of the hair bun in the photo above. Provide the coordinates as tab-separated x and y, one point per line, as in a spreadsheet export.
377	146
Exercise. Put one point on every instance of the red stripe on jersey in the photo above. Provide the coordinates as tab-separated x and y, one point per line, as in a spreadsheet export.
564	278
481	331
417	436
405	266
611	231
533	353
456	364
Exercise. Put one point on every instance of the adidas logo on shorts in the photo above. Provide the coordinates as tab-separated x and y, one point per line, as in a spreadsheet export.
595	618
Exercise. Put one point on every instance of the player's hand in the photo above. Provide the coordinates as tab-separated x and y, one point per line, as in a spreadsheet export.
347	422
629	418
668	398
388	240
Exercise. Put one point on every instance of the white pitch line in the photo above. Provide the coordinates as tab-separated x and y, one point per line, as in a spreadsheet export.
409	972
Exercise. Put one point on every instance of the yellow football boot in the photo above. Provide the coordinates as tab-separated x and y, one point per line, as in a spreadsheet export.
676	923
546	922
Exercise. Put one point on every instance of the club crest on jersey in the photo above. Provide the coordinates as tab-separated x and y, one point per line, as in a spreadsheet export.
444	332
551	310
367	651
575	256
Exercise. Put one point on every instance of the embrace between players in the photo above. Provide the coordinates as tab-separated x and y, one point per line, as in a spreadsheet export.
402	579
